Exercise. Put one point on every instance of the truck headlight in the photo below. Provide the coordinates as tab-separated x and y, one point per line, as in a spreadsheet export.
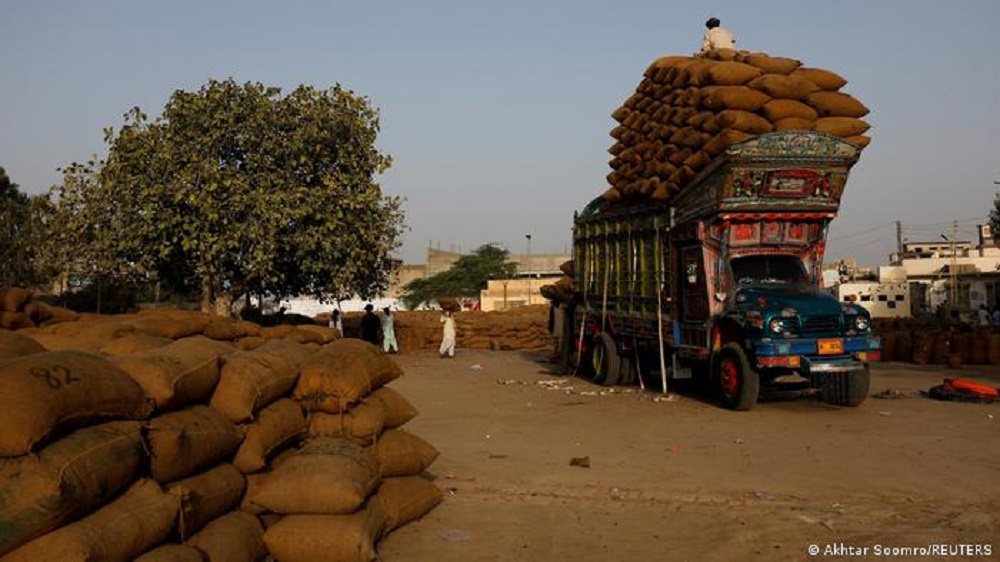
861	323
777	325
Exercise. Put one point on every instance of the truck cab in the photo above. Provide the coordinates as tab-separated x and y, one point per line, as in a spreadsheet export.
725	279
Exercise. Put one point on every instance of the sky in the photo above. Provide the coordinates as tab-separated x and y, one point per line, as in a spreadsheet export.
497	113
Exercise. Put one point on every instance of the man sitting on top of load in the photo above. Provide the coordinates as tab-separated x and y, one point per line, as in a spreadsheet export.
717	37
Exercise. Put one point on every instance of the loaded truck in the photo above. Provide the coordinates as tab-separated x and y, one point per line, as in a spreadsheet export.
723	281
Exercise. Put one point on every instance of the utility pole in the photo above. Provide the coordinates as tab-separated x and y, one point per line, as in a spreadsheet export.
528	236
899	240
953	274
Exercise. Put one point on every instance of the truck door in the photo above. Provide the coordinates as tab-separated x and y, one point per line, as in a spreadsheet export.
694	291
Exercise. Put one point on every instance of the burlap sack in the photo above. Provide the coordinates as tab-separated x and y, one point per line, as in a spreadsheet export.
15	321
55	391
361	424
174	375
400	453
66	480
793	124
276	332
978	348
122	530
251	380
841	126
718	98
14	299
836	104
183	443
732	74
234	537
278	424
773	65
225	329
923	348
327	476
398	410
206	496
325	334
38	312
343	373
860	141
137	343
783	87
405	499
743	121
778	109
823	78
721	54
172	327
326	538
172	553
13	345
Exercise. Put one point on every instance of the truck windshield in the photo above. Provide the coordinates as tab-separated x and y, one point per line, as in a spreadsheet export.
768	269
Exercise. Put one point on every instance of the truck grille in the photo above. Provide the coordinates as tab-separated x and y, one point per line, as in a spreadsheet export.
820	325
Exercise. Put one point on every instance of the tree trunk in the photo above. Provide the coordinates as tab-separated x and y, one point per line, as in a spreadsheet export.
206	296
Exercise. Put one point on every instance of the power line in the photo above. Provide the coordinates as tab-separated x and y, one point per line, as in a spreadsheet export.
860	232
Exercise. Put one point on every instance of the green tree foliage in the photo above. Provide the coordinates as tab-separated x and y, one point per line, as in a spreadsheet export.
466	277
20	233
238	190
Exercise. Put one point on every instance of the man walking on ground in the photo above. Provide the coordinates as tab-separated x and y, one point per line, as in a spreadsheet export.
448	339
370	325
388	332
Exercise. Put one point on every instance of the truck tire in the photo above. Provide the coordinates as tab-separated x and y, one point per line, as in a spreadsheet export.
605	361
738	384
847	389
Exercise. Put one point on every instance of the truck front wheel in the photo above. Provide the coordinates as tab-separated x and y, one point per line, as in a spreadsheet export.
738	384
847	389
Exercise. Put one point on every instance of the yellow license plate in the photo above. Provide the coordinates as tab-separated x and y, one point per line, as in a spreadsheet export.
830	347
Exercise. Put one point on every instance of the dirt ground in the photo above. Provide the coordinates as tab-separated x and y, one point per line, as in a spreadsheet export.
684	479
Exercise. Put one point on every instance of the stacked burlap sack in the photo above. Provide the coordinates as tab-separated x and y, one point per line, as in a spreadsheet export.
18	310
147	455
152	328
688	109
931	342
525	327
561	292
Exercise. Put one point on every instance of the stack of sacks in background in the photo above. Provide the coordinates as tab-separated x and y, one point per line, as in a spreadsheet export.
19	310
688	109
525	327
927	342
152	328
167	476
358	476
561	292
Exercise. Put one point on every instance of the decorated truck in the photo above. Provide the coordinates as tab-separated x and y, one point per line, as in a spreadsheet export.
723	280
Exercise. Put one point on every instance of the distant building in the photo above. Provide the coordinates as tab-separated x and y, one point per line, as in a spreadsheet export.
955	274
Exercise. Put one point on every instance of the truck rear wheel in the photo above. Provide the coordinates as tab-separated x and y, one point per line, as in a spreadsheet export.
847	389
605	361
738	384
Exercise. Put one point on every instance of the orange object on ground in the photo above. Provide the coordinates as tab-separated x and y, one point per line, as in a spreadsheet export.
966	385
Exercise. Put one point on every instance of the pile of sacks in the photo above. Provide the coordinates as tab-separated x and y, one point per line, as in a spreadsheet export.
196	449
561	292
18	310
688	109
930	346
525	327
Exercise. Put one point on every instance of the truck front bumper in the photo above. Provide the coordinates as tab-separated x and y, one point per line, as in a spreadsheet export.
817	355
